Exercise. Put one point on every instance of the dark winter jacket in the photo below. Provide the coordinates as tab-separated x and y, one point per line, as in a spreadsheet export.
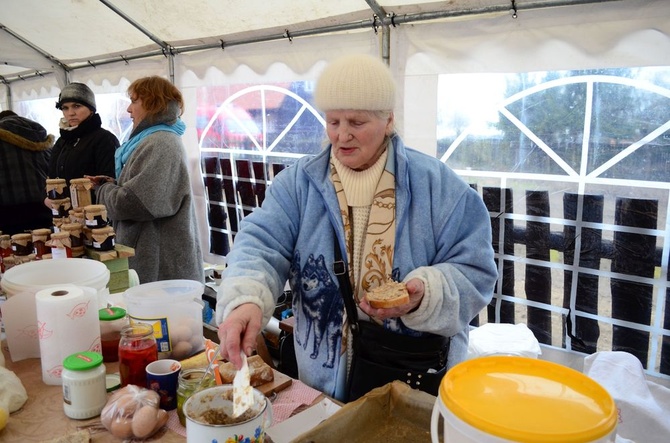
25	148
87	149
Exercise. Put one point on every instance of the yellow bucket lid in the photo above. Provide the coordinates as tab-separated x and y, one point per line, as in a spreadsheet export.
528	400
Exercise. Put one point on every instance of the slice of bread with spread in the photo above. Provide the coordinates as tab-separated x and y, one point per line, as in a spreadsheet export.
388	295
259	371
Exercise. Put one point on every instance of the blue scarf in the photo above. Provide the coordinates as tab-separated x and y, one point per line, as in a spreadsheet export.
123	153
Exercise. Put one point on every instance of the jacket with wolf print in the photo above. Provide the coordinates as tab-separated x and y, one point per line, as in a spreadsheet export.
443	236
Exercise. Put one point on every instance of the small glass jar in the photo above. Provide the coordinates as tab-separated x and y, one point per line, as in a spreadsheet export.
103	238
5	245
8	263
96	216
76	237
80	192
56	188
40	239
189	384
61	208
137	348
84	385
112	321
60	244
22	244
76	215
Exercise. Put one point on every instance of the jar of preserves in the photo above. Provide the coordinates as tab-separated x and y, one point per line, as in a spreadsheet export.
56	188
84	385
76	237
40	239
188	384
22	244
103	238
60	244
80	192
60	208
112	321
137	348
96	216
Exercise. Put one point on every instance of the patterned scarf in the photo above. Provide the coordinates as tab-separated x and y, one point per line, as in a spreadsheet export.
377	262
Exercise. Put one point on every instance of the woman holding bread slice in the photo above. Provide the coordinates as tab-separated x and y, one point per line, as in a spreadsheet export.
391	215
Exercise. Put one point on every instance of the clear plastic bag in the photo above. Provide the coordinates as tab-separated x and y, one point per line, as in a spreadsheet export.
133	413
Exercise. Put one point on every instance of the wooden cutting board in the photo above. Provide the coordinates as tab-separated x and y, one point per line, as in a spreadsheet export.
280	382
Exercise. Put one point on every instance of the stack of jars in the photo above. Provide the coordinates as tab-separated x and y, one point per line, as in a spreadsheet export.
99	234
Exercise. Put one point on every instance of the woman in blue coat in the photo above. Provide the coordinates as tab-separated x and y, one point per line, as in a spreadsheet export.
395	214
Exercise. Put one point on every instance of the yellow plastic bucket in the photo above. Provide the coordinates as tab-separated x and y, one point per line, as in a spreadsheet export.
501	399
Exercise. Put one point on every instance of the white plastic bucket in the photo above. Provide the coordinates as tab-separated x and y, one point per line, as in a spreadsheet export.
34	276
174	309
505	399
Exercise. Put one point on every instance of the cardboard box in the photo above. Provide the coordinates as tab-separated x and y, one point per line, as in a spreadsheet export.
391	413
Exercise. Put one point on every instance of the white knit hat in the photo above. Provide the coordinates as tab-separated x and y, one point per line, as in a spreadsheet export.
359	82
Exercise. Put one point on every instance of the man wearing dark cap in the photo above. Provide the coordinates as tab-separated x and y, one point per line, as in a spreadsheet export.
84	147
25	147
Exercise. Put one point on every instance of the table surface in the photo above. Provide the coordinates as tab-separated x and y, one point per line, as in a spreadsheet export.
42	416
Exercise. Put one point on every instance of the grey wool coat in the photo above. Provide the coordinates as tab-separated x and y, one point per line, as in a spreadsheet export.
151	206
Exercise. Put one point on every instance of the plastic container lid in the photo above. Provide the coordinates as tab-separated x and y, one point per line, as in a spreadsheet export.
111	313
112	382
82	361
165	291
528	400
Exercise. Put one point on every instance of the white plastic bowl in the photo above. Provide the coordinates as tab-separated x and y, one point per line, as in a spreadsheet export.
36	275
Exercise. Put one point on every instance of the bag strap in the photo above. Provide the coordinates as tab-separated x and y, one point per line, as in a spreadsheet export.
341	270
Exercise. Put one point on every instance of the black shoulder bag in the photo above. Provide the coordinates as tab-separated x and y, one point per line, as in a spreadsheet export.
381	356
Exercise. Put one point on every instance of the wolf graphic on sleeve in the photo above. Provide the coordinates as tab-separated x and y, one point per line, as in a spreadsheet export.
320	307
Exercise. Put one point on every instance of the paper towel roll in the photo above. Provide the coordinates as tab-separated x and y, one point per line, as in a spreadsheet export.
67	322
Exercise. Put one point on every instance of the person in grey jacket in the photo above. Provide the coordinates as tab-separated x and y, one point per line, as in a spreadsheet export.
25	148
151	204
394	212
